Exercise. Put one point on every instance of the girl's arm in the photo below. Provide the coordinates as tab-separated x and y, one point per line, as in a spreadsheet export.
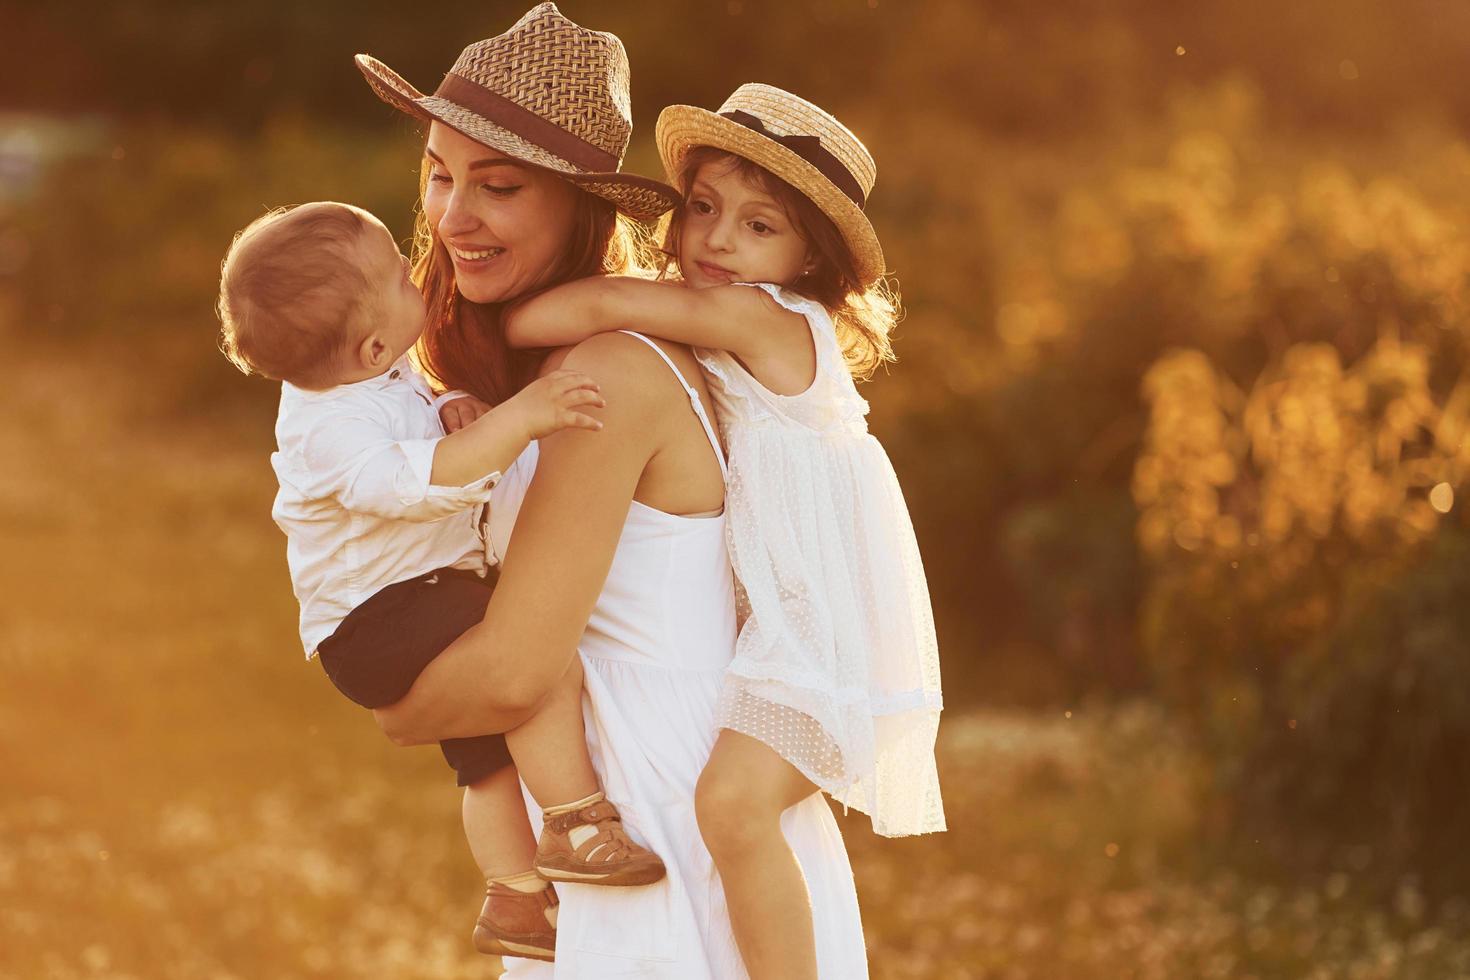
494	676
743	320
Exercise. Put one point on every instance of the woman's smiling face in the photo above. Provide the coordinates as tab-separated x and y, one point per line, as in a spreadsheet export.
503	222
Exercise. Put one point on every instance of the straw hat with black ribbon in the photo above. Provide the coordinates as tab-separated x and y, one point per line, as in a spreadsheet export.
548	92
800	143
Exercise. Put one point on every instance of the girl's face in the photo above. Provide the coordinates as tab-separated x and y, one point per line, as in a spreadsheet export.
734	231
504	223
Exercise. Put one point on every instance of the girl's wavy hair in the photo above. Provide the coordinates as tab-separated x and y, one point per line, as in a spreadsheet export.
464	346
864	316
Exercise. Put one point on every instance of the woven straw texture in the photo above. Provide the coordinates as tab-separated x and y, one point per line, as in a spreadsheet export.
571	77
566	74
681	128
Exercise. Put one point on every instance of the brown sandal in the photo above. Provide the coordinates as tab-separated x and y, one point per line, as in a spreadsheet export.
608	857
513	923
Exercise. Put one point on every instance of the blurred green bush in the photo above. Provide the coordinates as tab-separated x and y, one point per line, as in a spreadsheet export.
1301	503
1306	605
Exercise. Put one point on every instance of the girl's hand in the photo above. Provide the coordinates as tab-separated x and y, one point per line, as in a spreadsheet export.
551	403
460	412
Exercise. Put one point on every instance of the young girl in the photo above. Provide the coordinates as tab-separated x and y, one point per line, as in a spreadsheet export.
835	681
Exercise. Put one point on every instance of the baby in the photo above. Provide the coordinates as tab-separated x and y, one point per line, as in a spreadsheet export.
383	515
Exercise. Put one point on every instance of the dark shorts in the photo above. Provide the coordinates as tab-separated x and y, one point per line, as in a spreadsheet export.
383	645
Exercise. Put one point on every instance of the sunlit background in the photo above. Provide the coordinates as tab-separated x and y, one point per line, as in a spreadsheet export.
1182	412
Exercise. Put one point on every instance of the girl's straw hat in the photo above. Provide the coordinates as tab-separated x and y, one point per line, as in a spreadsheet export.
548	92
795	140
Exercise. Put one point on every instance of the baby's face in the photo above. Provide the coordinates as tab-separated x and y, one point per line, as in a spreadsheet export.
734	231
396	312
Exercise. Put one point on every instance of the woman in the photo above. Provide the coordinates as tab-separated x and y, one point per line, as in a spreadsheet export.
618	545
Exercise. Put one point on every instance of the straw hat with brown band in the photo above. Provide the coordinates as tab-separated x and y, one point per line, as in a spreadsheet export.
548	92
799	142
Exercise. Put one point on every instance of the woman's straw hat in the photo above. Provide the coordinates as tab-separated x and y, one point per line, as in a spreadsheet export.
795	140
548	92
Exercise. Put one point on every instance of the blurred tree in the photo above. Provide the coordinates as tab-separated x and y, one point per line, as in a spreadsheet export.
1306	601
1005	65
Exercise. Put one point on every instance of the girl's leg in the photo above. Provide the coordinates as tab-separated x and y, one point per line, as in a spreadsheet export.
744	789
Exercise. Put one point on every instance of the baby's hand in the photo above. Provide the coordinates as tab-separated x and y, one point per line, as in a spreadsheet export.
550	404
460	412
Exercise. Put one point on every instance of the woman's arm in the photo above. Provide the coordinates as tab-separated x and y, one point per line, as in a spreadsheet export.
745	321
494	676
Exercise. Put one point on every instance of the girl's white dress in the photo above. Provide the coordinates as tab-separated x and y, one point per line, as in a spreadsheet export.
655	651
836	666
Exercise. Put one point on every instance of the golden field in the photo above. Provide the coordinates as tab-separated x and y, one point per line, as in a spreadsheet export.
185	798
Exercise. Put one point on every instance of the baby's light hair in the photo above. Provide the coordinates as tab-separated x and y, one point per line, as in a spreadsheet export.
291	288
863	315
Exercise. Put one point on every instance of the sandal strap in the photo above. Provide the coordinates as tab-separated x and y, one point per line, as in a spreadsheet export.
546	897
611	843
595	813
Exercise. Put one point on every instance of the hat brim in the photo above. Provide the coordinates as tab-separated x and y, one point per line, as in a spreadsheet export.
682	127
638	197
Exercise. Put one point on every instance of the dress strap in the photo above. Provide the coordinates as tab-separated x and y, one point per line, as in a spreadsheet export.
694	401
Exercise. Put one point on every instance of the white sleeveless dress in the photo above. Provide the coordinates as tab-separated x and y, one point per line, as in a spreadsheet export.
655	651
836	667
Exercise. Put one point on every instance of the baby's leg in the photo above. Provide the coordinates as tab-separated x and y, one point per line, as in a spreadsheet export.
495	824
550	747
582	836
744	789
519	914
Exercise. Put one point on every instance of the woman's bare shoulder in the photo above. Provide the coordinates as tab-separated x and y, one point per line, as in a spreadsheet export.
647	421
625	362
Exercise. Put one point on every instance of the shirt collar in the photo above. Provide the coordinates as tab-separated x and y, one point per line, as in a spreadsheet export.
402	372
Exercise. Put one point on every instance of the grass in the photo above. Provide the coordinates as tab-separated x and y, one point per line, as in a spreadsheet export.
183	797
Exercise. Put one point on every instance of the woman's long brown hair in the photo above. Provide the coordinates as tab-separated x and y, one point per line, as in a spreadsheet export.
463	346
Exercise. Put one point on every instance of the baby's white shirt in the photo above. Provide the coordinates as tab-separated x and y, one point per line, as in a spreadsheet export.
355	500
